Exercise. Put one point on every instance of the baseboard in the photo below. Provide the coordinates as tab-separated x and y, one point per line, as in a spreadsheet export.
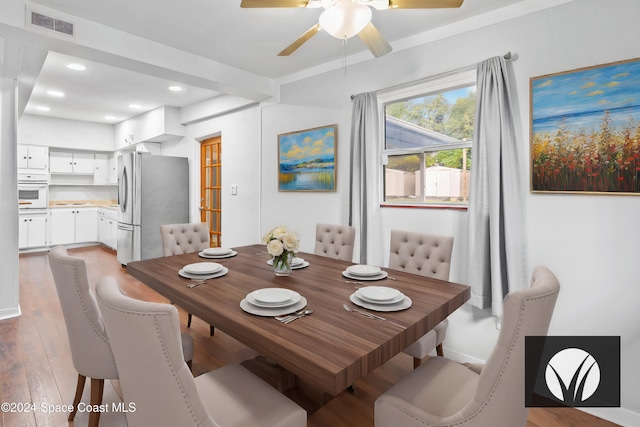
8	313
459	356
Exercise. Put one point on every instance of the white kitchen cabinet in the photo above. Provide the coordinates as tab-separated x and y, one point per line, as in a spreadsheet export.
79	225
33	157
32	230
66	162
101	169
113	169
107	228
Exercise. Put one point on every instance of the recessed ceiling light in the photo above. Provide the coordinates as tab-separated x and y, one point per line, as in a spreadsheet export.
76	66
55	93
175	88
43	108
109	117
135	106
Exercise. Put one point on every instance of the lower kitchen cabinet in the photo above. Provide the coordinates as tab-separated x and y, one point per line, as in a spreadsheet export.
76	225
108	228
32	230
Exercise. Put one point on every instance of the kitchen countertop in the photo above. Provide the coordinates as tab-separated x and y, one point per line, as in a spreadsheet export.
107	204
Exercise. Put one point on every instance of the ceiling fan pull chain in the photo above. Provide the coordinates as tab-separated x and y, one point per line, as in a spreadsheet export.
344	56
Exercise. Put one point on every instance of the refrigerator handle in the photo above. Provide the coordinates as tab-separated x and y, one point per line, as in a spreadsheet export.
123	191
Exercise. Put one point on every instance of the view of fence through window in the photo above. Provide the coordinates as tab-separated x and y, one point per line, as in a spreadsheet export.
428	143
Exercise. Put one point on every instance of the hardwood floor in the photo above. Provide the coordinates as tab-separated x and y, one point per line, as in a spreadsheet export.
36	366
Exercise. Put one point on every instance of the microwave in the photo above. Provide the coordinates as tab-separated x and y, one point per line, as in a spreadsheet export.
33	191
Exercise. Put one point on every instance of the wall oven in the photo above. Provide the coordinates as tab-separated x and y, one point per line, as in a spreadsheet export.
33	191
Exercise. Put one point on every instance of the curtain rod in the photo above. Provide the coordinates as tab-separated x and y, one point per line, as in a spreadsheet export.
506	56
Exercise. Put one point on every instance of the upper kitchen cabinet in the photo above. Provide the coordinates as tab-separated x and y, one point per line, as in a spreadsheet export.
71	163
159	125
33	157
101	172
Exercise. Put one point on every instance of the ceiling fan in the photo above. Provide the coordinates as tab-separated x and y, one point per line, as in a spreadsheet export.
346	18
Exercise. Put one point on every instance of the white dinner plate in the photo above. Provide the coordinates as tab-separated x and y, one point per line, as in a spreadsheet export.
275	311
202	268
397	299
229	255
382	275
399	306
217	251
273	295
378	294
295	298
363	270
219	273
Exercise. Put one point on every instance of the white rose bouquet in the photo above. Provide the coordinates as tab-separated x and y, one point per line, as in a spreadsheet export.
281	245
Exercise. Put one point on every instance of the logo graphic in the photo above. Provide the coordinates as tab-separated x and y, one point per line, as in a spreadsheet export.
572	375
572	371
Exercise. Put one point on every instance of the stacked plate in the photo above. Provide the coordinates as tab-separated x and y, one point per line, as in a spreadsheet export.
217	253
380	298
273	302
296	263
364	272
203	270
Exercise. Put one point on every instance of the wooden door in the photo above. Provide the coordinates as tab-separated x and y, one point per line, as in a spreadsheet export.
211	188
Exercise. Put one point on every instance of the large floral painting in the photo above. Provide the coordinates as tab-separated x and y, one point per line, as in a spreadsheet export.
585	130
307	160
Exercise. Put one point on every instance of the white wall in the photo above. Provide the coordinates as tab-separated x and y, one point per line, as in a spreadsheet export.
9	290
590	242
63	133
240	166
300	211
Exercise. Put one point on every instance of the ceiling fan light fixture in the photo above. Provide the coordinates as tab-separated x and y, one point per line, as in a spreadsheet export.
345	19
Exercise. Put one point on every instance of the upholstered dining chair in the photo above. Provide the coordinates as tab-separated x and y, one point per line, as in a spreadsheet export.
187	238
335	241
444	393
90	347
426	255
144	337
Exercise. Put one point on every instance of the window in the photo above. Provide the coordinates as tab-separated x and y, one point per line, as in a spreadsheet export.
428	131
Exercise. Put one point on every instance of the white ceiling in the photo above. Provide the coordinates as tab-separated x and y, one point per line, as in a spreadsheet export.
219	30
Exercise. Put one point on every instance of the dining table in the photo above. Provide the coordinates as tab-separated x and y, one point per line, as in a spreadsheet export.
330	348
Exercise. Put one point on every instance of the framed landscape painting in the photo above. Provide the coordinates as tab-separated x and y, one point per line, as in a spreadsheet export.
585	130
307	160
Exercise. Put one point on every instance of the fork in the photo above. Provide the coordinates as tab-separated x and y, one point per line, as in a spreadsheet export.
364	313
195	283
288	316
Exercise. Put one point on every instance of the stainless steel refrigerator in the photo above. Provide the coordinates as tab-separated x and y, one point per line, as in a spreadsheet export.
152	190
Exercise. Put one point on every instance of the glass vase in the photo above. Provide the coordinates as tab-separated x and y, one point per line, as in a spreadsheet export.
282	264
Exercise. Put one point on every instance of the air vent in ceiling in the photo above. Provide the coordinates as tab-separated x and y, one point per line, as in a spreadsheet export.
41	20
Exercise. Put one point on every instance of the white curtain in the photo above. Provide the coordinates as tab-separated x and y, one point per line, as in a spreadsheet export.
497	249
362	182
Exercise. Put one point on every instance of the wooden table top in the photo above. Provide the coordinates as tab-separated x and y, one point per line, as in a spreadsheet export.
330	348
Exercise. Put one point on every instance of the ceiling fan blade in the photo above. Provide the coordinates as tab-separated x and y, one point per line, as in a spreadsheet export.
300	40
376	43
424	4
273	3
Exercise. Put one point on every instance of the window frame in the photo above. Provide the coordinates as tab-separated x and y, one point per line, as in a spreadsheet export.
430	86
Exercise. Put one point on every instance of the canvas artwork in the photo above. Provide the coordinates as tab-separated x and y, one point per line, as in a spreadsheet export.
307	160
585	130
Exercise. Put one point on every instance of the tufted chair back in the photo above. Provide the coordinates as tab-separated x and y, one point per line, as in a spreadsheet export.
423	254
146	343
178	239
90	349
90	346
445	393
335	241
